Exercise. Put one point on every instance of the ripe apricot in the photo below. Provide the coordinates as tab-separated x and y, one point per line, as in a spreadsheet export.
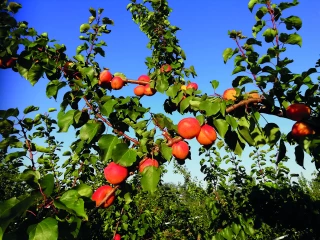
115	173
192	85
298	111
189	127
105	78
144	78
146	163
117	237
207	135
148	90
117	83
139	90
301	129
101	193
165	68
229	94
180	150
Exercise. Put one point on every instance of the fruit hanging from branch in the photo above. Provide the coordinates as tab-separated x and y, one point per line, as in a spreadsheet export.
105	78
180	150
298	111
207	135
101	193
148	162
115	173
189	128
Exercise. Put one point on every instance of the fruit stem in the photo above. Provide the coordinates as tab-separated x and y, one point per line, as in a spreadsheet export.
135	81
243	103
120	133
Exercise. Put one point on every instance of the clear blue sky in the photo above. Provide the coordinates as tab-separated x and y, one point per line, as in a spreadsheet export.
204	25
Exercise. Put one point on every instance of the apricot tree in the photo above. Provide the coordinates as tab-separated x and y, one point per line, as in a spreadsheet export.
60	199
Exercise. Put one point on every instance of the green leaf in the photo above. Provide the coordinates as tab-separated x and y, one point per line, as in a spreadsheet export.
52	109
11	112
150	178
107	144
47	184
232	122
209	107
264	59
90	130
15	155
30	109
93	12
34	73
299	153
281	152
272	132
238	69
251	4
166	151
65	120
269	34
84	27
42	149
292	22
222	126
71	199
14	7
245	134
294	39
53	87
227	54
124	155
47	229
5	207
108	107
29	175
12	208
214	84
84	190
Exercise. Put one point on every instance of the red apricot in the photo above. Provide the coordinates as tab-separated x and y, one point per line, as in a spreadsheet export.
117	83
207	135
115	173
166	68
105	78
301	129
101	193
139	90
298	111
146	163
188	128
117	237
229	94
148	90
180	150
192	85
144	78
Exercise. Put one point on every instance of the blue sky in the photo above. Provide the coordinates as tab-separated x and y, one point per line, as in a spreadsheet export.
204	25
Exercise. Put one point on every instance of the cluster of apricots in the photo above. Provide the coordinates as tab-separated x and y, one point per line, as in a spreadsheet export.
189	128
299	112
231	93
116	174
107	80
